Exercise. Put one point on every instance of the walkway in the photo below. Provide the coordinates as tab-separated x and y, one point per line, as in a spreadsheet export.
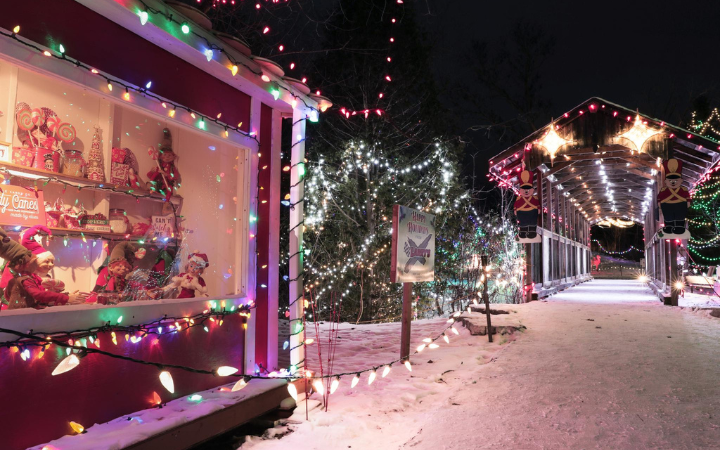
602	365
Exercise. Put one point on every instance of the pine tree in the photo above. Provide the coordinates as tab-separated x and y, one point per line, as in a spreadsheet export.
704	212
360	166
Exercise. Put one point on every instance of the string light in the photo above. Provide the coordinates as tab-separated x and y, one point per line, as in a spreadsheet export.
167	381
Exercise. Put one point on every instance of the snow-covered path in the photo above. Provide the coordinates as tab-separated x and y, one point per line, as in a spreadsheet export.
602	365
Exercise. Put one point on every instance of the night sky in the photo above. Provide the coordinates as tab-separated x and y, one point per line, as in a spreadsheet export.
655	56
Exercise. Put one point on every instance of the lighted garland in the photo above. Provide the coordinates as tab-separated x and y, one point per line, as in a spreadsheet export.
75	344
163	326
129	87
632	248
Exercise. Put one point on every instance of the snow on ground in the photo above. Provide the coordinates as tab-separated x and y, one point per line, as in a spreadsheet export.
601	365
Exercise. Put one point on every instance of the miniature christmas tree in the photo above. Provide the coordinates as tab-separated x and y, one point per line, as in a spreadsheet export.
95	170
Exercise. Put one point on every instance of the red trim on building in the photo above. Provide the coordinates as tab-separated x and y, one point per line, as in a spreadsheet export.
105	45
263	237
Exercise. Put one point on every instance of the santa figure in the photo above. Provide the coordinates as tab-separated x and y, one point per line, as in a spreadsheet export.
27	289
526	207
190	282
673	198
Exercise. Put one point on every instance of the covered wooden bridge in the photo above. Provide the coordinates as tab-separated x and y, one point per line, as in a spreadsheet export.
600	162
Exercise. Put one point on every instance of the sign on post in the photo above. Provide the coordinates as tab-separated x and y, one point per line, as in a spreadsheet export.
412	259
413	246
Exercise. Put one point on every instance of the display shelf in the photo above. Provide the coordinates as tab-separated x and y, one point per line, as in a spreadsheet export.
75	233
32	173
48	173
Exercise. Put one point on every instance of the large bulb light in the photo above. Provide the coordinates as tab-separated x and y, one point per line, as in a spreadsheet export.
167	381
67	364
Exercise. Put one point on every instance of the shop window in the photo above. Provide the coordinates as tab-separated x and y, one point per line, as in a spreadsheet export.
112	182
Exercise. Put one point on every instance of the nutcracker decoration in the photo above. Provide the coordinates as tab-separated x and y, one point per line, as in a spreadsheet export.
526	209
674	200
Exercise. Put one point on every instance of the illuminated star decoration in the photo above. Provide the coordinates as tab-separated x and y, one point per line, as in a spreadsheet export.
639	133
552	142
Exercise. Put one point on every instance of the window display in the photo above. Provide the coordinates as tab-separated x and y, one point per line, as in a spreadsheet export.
73	177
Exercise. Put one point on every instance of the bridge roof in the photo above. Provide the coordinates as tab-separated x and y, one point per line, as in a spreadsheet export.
606	158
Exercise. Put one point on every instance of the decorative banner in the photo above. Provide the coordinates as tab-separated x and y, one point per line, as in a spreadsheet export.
413	246
20	206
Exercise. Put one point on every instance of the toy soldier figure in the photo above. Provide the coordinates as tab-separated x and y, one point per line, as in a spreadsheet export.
673	198
526	207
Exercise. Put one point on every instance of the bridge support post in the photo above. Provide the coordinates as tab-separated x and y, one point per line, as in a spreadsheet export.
528	291
674	291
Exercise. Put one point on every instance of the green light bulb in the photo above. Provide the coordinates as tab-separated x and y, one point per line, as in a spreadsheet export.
143	17
185	28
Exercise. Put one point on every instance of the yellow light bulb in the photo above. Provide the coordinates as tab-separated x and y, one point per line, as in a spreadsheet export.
408	365
318	386
334	385
239	385
373	374
386	371
355	381
16	30
234	70
77	427
225	371
292	390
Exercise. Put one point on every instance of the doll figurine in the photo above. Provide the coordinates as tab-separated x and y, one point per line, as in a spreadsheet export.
26	289
190	282
164	176
113	277
134	180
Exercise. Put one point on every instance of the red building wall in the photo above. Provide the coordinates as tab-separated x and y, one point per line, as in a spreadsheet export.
36	407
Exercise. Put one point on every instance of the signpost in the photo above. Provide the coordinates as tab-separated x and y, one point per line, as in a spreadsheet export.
413	259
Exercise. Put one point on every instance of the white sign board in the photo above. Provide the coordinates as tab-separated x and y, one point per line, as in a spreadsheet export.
413	246
162	226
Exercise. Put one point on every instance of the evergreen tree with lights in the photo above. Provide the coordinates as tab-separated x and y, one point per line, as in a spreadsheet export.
385	147
704	212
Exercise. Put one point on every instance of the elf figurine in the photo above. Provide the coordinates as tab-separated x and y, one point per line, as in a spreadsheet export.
164	176
26	289
113	277
191	280
526	207
673	198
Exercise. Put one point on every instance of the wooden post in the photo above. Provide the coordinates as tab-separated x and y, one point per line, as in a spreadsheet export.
674	291
528	273
406	320
486	300
484	263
